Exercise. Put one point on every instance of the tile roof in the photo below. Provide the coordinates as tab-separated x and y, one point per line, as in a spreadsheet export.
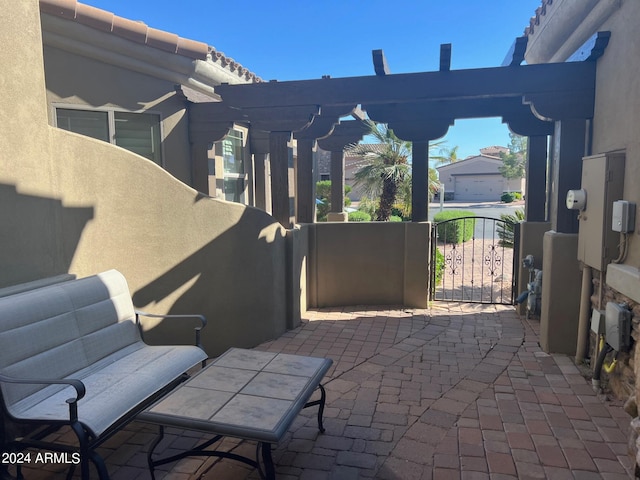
138	32
494	150
535	20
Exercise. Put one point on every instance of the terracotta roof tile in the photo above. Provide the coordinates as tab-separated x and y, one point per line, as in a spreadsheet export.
541	11
94	17
162	40
130	29
140	33
61	8
188	48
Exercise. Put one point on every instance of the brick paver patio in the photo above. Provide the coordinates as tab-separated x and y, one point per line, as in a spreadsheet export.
459	391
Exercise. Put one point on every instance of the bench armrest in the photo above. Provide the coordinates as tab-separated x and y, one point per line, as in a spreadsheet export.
203	322
76	384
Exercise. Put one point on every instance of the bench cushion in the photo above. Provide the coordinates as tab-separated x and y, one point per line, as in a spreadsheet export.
115	385
82	329
60	329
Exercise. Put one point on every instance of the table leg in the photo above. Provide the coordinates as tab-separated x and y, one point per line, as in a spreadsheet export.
320	403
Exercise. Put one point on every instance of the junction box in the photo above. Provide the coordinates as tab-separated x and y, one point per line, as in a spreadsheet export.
618	326
603	182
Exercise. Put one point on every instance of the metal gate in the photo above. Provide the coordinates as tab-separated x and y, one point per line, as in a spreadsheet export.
473	260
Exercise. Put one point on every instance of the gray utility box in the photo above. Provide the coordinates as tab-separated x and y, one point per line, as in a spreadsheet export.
603	180
618	326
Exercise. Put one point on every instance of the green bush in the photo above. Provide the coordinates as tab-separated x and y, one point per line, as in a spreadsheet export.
398	212
395	218
455	231
505	230
323	193
517	195
507	197
359	216
439	266
368	206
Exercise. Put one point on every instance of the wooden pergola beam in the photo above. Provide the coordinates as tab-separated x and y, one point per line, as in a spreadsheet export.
380	63
555	79
445	57
448	109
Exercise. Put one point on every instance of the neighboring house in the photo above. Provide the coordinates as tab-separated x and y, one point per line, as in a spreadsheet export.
351	165
477	178
123	82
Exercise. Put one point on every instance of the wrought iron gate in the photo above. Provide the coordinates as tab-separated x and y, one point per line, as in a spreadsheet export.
473	260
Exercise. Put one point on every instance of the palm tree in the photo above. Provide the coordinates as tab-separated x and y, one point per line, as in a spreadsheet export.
386	167
447	155
406	187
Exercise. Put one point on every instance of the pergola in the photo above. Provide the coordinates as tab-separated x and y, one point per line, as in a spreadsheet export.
536	101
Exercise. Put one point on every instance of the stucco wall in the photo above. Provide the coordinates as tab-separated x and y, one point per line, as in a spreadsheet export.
348	267
617	110
560	310
562	30
80	81
78	205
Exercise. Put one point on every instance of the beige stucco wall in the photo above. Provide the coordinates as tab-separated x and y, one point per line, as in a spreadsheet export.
78	205
561	296
348	267
617	109
80	81
566	25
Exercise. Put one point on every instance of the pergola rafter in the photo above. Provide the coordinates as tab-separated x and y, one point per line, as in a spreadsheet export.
534	100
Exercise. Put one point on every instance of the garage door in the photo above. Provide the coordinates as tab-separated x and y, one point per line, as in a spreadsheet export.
478	188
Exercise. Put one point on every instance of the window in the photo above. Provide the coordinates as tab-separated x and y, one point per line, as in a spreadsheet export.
136	132
232	150
234	189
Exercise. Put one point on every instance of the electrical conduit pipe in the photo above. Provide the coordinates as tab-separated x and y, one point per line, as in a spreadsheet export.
585	309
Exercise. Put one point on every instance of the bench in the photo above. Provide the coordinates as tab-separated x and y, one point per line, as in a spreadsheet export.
72	354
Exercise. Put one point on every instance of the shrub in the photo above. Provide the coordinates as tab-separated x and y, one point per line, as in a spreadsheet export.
455	231
395	218
359	216
397	211
323	194
368	206
439	266
505	230
517	195
507	197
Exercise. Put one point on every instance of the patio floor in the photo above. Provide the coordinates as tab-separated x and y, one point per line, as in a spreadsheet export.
459	391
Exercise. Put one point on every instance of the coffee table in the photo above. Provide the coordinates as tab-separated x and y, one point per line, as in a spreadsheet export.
246	394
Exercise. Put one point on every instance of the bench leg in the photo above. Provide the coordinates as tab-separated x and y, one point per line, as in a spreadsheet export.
269	470
152	447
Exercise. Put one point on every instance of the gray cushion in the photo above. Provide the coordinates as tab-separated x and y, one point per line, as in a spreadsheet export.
115	385
83	329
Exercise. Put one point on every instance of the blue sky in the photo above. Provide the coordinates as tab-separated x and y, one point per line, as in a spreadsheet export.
306	39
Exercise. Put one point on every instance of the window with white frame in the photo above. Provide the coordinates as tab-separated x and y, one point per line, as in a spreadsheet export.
136	132
233	151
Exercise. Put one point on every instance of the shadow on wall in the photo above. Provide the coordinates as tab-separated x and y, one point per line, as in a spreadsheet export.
39	235
237	280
